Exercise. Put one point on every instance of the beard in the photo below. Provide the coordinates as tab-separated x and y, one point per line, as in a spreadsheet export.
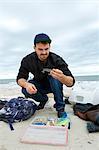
43	57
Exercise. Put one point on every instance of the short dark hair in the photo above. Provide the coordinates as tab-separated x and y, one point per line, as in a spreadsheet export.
42	38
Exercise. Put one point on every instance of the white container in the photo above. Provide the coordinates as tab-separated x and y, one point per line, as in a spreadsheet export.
96	96
81	96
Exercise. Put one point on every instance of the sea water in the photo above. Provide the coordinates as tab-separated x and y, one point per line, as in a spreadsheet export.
90	81
87	78
8	83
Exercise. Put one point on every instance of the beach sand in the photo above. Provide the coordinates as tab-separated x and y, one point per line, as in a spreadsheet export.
78	136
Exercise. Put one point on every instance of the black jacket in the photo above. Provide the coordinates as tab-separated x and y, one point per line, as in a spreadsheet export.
32	64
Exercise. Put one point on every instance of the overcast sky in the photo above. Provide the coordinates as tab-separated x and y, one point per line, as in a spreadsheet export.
73	26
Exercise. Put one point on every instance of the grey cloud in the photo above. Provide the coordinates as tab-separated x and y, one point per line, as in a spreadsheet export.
67	22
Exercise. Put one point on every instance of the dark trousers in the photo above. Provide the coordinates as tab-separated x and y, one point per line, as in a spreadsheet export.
49	85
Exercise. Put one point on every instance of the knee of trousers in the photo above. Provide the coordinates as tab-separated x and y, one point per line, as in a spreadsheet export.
56	84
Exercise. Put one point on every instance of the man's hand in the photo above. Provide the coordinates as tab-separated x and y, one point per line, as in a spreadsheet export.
56	73
31	89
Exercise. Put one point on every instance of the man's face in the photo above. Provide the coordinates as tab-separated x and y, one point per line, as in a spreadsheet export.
42	50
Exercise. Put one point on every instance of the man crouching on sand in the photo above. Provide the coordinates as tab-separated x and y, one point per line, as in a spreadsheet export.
50	72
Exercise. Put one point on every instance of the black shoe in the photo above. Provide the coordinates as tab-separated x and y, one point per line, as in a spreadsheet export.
61	114
41	105
67	101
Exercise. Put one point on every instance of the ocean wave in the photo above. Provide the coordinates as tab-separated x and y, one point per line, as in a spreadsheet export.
8	85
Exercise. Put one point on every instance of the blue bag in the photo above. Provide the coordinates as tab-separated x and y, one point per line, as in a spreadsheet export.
16	110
